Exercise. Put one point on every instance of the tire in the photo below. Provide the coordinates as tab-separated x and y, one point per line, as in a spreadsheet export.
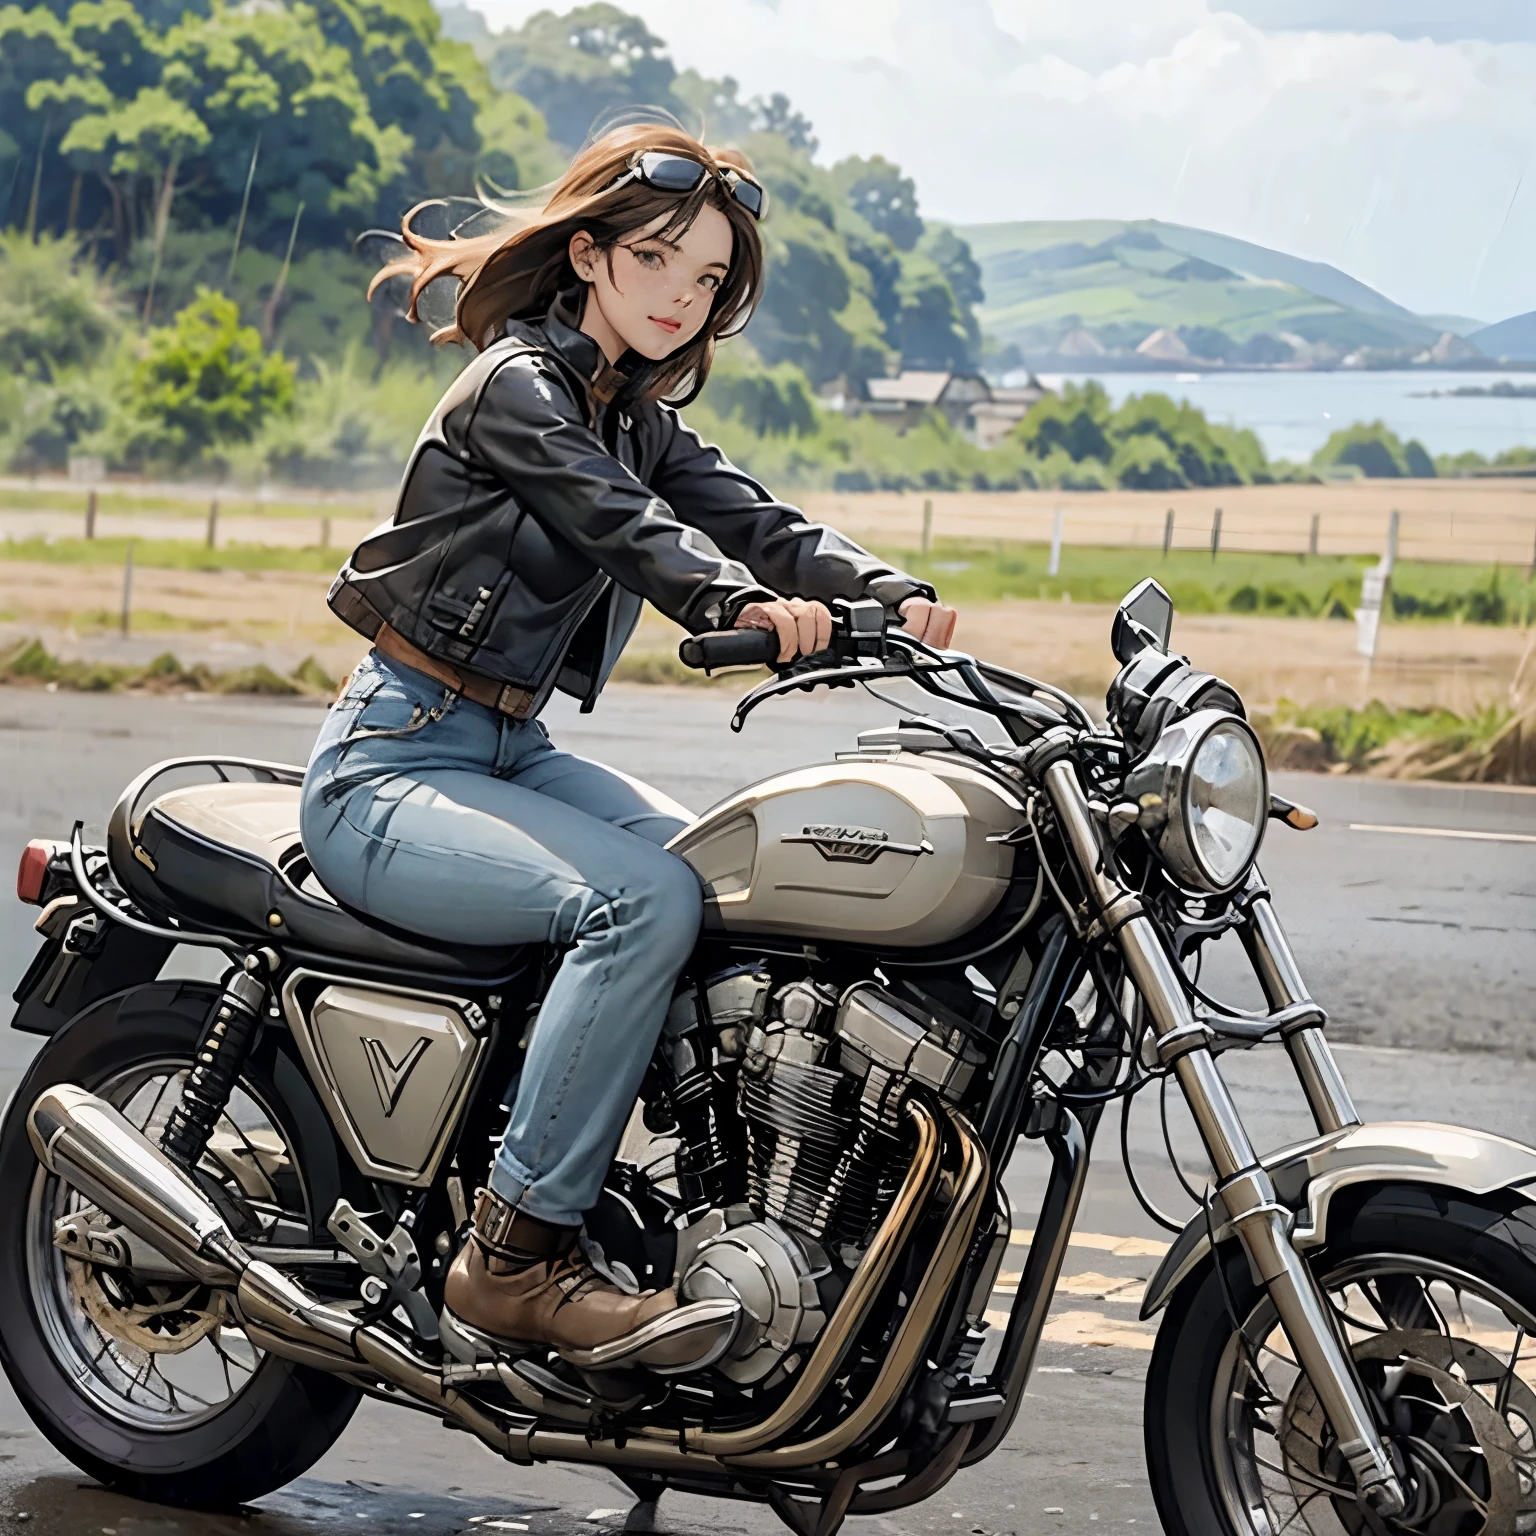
285	1416
1385	1235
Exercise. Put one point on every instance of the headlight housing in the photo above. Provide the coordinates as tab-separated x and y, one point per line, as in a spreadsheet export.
1203	791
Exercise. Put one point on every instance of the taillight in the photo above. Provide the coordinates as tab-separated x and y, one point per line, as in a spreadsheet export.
32	871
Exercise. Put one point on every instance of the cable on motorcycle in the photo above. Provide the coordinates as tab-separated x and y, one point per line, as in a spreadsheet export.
1142	1199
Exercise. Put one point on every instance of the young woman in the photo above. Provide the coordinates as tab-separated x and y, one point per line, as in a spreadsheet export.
552	491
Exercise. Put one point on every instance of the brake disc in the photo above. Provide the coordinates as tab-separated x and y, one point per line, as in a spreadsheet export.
1471	1459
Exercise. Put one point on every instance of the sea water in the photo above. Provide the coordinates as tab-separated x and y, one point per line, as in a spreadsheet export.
1293	413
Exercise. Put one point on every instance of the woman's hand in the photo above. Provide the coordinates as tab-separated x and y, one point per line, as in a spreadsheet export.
803	627
930	622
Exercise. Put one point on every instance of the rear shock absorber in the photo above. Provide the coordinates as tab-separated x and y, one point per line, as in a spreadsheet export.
228	1034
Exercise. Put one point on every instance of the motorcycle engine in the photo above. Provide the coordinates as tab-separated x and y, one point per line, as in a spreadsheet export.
819	1081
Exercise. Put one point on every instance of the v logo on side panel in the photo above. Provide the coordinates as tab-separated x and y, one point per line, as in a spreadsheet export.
389	1076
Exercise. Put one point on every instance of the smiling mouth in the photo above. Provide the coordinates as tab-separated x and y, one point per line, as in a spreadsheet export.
668	325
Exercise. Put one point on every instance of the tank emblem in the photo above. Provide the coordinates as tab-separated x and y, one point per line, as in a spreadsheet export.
389	1076
855	845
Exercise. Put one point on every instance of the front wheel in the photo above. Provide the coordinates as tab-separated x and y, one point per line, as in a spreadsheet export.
141	1377
1435	1293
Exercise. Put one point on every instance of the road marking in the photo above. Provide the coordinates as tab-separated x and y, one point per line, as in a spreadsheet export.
1121	1247
1088	1328
1468	836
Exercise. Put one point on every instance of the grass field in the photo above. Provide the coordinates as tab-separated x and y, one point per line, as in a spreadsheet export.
971	572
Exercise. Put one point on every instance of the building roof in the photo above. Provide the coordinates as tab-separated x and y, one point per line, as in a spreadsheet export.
925	387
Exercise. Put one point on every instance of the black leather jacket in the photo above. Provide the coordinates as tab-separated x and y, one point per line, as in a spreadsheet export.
533	520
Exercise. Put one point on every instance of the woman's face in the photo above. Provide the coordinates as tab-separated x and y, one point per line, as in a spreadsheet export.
660	291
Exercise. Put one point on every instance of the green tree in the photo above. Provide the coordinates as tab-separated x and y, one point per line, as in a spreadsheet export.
1075	422
56	315
204	380
1146	463
886	200
580	66
772	402
1369	446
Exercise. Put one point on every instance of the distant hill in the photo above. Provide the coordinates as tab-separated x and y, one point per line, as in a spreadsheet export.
1095	287
1513	338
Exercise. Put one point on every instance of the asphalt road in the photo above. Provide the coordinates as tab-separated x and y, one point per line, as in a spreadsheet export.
1419	942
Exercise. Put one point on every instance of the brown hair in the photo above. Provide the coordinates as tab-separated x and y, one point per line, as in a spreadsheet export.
518	270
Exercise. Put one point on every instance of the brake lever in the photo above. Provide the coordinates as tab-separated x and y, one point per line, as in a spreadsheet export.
790	680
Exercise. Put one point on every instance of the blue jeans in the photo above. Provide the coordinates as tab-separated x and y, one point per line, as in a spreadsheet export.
447	819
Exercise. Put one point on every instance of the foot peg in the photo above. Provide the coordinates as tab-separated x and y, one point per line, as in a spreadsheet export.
687	1339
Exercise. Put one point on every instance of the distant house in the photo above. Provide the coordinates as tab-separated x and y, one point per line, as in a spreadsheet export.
1165	346
1080	343
970	404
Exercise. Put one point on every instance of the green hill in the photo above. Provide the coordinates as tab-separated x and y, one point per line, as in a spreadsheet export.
1069	287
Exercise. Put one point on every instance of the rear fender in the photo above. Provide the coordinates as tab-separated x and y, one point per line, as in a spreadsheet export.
83	958
1309	1174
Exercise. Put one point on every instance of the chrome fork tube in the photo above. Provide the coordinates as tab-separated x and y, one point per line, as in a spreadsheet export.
1263	1224
1319	1075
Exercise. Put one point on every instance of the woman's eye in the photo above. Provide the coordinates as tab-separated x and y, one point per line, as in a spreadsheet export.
650	258
711	281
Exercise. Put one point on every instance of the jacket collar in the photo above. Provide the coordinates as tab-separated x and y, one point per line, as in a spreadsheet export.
606	382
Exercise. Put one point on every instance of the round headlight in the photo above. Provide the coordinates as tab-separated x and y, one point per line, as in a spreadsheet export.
1204	795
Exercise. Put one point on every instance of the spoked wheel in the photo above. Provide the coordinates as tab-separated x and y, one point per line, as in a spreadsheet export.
144	1343
1438	1303
143	1377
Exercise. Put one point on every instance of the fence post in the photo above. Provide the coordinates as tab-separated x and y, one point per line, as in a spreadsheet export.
325	534
127	588
1317	523
213	523
1216	533
1167	533
90	513
927	525
1057	529
1390	560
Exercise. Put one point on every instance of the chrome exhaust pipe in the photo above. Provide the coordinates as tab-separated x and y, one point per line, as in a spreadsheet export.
87	1143
91	1146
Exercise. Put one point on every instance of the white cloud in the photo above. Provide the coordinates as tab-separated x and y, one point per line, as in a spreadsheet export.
1393	159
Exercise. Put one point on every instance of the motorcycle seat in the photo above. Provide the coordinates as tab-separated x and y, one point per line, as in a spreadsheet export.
228	856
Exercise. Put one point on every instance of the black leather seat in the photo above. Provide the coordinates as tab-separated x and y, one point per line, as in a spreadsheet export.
228	857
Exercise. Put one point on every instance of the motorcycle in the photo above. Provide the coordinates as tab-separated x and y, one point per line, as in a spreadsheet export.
231	1206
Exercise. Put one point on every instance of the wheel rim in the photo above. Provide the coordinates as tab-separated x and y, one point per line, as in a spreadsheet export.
149	1350
1450	1364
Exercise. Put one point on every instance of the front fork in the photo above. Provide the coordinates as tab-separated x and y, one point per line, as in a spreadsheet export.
1263	1224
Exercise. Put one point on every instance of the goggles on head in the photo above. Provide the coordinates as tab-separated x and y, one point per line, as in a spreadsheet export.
677	173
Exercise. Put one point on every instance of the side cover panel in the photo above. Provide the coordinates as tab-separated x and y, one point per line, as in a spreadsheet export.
392	1067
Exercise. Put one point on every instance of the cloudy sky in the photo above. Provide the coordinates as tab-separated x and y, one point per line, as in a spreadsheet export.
1393	138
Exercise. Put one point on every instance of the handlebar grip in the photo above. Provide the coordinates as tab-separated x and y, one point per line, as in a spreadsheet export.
730	648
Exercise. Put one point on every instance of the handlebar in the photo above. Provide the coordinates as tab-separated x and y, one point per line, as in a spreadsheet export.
865	646
730	648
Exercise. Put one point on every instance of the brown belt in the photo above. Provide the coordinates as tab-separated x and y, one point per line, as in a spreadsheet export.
478	689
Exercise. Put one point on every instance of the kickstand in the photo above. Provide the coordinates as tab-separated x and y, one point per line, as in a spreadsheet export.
647	1490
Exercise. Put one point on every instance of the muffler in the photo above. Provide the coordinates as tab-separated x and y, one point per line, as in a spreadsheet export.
89	1145
92	1147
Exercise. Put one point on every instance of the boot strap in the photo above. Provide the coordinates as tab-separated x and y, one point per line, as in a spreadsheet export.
504	1232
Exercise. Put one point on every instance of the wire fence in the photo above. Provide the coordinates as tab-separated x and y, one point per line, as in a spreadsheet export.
1451	521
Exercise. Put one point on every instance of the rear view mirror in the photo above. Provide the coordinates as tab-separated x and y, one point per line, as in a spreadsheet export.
1144	617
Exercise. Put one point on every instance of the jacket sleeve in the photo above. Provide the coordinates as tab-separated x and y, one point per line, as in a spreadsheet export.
776	542
525	429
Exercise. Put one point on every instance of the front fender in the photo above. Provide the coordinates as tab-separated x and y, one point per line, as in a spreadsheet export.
1309	1174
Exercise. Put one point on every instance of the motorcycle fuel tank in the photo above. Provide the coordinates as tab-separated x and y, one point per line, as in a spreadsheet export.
892	851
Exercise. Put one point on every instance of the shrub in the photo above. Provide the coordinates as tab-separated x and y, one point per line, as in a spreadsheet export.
202	381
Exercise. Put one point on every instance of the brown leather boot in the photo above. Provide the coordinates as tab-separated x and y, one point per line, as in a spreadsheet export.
522	1281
